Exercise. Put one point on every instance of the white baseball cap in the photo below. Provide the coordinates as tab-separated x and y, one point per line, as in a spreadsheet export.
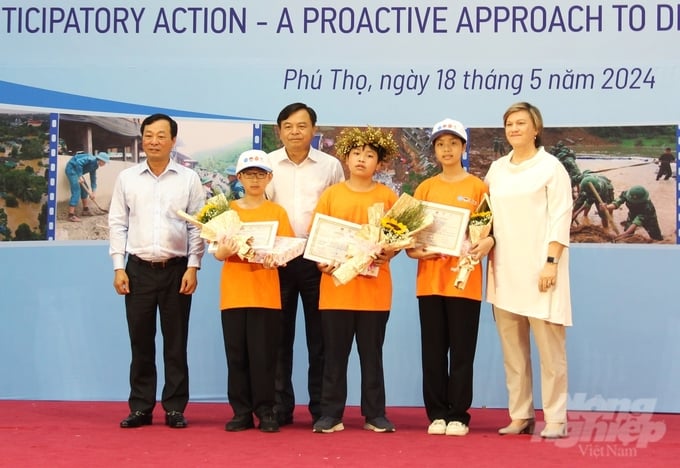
253	158
450	126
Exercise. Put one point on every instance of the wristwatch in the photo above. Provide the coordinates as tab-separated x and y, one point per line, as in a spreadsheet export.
552	260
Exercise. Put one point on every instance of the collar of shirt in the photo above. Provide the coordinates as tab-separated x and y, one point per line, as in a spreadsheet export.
144	167
281	156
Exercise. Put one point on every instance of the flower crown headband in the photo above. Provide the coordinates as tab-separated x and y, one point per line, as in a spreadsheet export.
375	137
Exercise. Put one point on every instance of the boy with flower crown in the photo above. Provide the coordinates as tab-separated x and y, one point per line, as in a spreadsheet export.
449	317
361	307
251	304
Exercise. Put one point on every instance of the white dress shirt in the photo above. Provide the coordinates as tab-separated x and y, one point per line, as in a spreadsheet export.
143	218
297	187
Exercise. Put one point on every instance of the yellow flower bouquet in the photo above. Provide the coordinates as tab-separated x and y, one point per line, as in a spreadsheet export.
217	221
479	227
394	230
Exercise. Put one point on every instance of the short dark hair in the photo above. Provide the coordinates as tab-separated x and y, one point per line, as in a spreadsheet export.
156	117
292	108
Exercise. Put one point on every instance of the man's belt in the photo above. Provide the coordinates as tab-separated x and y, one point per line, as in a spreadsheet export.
158	264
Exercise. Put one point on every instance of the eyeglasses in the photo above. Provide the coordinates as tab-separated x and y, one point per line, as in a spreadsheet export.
254	175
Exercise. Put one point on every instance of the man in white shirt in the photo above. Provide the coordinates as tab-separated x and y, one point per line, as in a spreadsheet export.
163	255
301	174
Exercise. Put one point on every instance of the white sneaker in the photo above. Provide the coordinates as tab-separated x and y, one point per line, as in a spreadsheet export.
456	428
437	427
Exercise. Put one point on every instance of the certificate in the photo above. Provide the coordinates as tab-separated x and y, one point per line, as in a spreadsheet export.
447	233
262	232
329	238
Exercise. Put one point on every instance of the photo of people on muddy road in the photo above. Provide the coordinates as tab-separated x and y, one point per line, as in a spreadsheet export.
624	179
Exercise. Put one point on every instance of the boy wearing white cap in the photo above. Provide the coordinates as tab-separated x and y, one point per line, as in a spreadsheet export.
251	304
449	317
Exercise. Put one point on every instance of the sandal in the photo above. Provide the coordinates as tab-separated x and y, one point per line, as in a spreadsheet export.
86	212
73	218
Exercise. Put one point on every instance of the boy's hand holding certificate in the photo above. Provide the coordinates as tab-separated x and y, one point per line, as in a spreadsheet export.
355	246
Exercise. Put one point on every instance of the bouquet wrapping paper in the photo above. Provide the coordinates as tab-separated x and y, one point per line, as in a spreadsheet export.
384	232
479	227
216	222
284	250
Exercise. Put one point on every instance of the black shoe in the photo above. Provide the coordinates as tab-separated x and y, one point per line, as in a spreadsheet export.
268	423
328	424
284	419
240	422
136	419
175	419
379	424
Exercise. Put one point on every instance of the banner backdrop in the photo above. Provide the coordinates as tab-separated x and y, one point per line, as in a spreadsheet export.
585	63
79	75
604	75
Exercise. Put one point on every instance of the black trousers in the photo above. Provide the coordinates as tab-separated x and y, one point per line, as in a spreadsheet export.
664	170
340	327
448	336
299	279
155	290
250	343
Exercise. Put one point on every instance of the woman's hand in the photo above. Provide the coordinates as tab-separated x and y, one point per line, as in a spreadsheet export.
548	277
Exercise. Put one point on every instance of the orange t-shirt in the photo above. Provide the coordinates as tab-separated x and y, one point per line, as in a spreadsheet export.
435	276
363	292
245	284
